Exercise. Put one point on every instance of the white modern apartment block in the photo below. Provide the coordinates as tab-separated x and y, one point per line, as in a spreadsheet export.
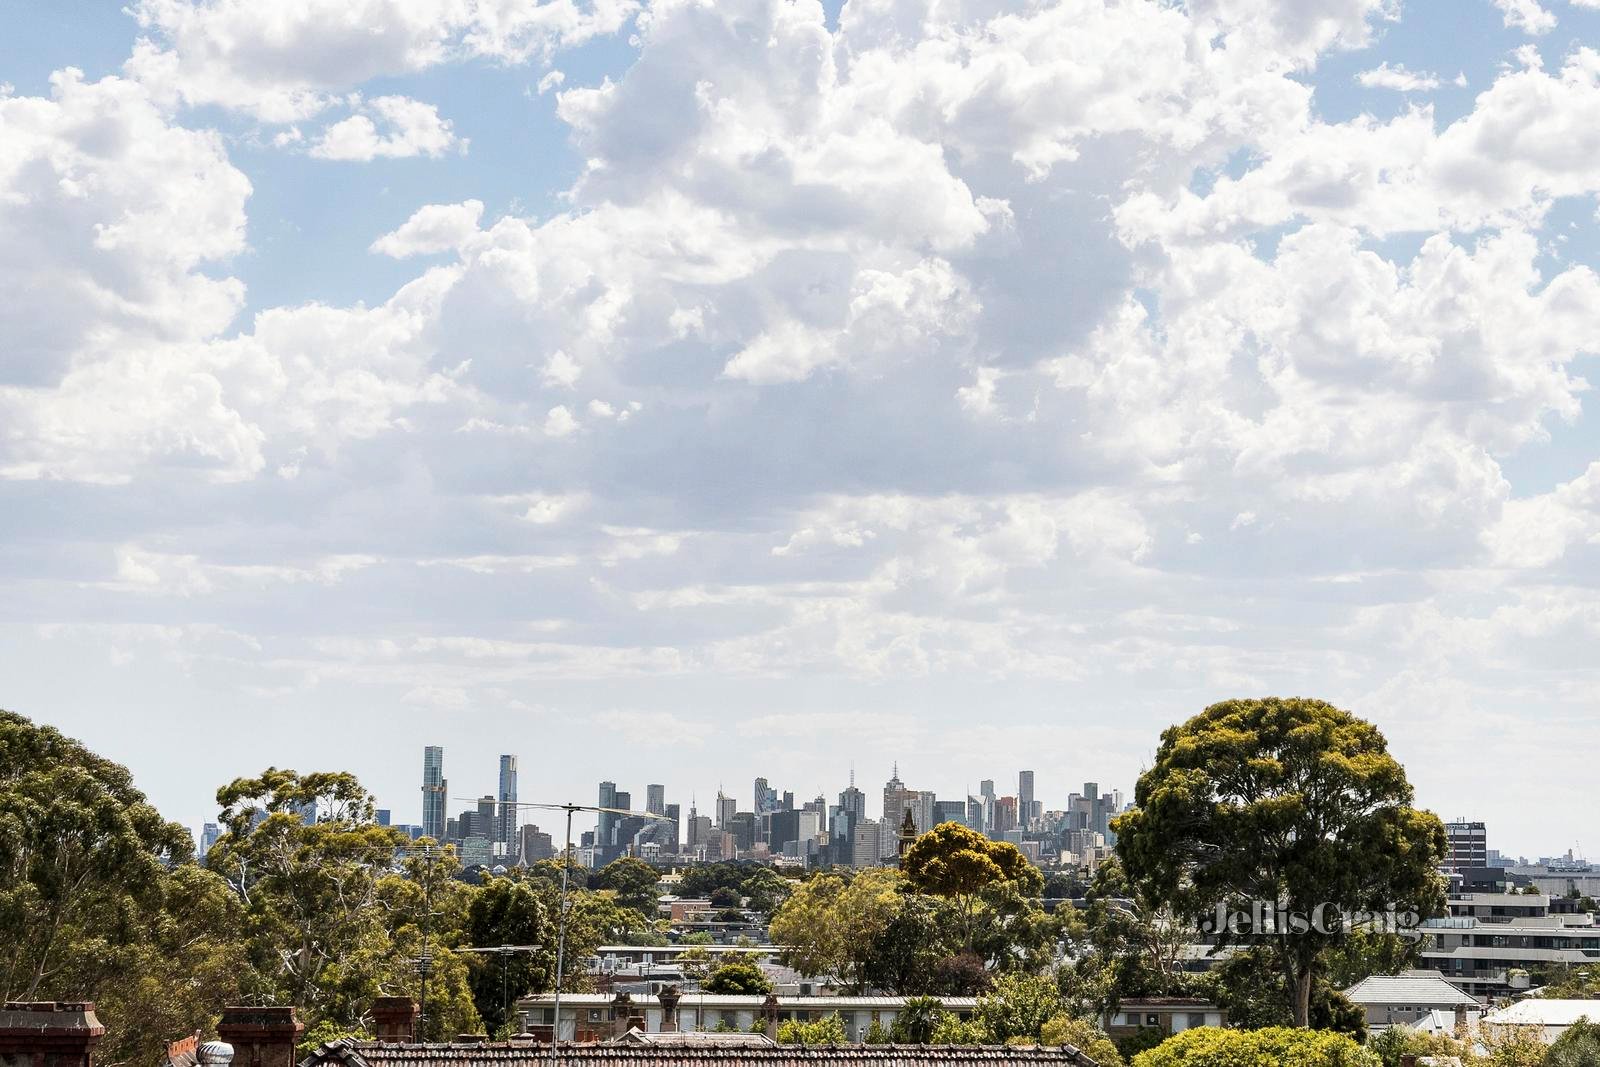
1490	936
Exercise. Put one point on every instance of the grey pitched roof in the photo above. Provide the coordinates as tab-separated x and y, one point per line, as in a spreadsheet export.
1418	989
531	1054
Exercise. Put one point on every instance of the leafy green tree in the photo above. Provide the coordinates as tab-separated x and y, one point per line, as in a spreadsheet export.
916	1021
165	970
766	890
1250	987
595	919
906	954
876	1034
704	879
508	912
100	899
725	897
1083	1035
828	1030
1289	801
738	977
1018	1006
305	855
633	881
1512	1046
77	843
1578	1046
425	892
1011	932
830	927
959	863
1212	1046
695	963
1126	946
962	975
954	1030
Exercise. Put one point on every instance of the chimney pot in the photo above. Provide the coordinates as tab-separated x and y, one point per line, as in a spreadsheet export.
395	1020
261	1037
47	1033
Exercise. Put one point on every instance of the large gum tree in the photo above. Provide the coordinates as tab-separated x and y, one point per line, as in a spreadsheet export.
1290	802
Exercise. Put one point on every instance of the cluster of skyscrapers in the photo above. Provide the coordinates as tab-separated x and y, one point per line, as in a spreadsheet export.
775	826
488	834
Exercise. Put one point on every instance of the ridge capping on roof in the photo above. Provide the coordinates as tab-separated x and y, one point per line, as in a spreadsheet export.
351	1053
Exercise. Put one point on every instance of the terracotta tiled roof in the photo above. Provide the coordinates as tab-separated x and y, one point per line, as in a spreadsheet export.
529	1054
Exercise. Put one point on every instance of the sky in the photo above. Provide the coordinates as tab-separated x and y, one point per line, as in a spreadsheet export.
685	391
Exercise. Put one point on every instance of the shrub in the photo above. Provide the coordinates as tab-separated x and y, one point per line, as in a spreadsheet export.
1018	1006
916	1022
1276	1046
954	1030
738	977
1578	1047
876	1034
1083	1035
1145	1037
829	1030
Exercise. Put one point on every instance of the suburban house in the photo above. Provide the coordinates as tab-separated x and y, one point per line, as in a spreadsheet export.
1408	998
1170	1015
597	1016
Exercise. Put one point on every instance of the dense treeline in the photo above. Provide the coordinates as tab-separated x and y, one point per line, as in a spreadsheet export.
307	901
101	899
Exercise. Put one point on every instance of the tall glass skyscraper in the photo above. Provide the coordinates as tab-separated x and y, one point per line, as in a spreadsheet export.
434	794
607	821
506	827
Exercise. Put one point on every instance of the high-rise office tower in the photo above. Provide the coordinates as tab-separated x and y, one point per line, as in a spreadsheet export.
853	802
726	806
674	827
433	792
1097	812
506	829
766	797
607	821
1025	799
655	799
1468	845
210	834
986	791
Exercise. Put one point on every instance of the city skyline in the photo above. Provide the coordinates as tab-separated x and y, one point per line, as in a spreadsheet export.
706	800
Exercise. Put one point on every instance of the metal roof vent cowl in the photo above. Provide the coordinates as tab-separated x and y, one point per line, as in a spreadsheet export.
215	1054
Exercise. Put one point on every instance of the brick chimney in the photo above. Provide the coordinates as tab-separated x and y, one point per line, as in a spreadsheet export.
621	1012
48	1033
769	1015
669	997
261	1037
394	1020
1461	1022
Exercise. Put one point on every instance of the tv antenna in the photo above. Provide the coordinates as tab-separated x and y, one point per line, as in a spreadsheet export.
566	865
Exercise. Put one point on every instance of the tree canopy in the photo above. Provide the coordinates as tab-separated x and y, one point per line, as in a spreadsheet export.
1213	1046
100	899
738	977
1287	801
